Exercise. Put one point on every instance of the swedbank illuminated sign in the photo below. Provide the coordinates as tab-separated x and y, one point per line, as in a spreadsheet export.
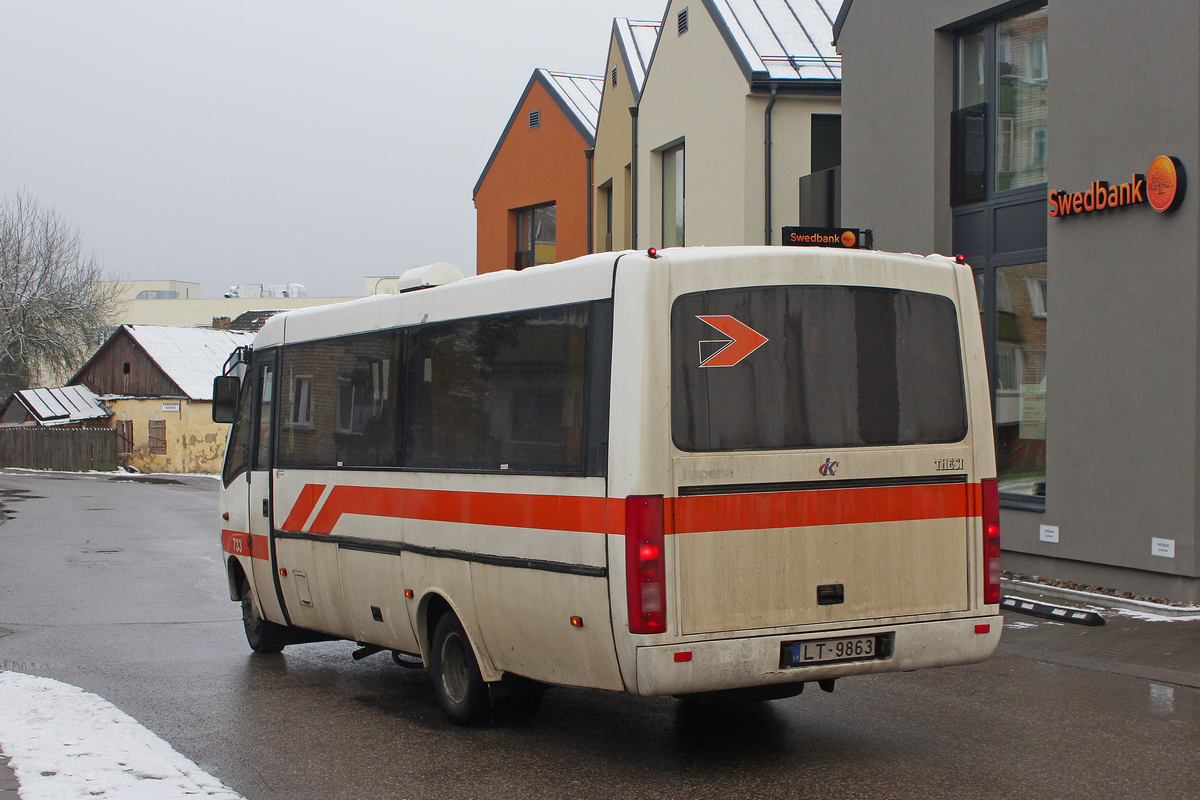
1162	188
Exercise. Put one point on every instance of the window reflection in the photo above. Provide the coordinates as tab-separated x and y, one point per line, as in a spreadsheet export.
1021	81
1020	378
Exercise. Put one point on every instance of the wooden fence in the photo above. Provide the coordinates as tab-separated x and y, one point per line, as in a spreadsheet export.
63	449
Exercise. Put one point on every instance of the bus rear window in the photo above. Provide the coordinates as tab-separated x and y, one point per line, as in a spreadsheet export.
842	366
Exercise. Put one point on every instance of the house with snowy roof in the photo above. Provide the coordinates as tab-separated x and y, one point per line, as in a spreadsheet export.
629	48
61	407
157	382
531	200
740	106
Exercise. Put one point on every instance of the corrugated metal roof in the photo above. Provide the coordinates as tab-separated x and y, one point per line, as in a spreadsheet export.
62	405
780	40
636	40
578	96
191	357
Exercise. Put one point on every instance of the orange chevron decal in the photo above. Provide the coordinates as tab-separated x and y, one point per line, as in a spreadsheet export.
305	503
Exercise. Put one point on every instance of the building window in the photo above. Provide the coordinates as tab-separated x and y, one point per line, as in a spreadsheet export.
606	208
124	436
821	189
302	400
673	197
999	149
1000	113
536	236
158	437
1019	380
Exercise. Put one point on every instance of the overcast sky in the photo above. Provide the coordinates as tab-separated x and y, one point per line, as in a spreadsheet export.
275	142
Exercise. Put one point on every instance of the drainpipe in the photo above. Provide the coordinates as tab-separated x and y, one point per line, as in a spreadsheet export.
589	154
767	160
633	177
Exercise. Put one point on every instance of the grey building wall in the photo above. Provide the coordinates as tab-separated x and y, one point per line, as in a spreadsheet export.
1123	335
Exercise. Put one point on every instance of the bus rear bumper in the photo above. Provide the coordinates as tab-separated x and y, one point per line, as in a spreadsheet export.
706	666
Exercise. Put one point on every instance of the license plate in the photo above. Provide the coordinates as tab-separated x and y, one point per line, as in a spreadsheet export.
816	651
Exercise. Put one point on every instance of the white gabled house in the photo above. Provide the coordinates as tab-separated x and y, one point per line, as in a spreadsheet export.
741	100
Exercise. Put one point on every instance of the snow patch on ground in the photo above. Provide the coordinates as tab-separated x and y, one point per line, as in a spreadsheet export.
1147	616
65	743
1017	625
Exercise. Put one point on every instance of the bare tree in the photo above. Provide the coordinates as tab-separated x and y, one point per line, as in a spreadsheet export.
51	294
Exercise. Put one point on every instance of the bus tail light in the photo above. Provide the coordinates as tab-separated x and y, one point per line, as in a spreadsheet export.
645	564
991	541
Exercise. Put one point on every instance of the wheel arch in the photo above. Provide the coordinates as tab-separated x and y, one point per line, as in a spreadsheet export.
236	575
432	606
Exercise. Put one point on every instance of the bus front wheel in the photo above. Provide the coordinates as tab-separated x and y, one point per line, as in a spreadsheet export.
460	688
262	635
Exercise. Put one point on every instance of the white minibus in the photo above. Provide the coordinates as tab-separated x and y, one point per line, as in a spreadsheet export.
718	472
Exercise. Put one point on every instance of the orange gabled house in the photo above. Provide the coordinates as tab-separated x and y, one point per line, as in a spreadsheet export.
531	202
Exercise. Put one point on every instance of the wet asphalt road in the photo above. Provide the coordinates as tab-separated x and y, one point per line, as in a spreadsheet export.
116	585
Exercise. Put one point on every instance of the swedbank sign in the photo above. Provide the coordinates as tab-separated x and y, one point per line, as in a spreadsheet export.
1162	188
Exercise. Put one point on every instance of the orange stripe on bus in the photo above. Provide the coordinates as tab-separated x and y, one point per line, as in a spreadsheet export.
305	503
735	512
240	543
683	514
543	512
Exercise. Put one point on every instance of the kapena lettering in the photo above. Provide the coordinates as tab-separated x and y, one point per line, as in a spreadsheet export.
1099	196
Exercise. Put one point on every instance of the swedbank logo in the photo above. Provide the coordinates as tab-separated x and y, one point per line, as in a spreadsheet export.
1162	187
1165	183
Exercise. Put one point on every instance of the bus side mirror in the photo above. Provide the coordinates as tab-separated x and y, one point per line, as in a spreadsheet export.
225	398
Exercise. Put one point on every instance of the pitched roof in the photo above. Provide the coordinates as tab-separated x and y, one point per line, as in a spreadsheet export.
636	40
577	96
62	405
841	20
191	357
780	40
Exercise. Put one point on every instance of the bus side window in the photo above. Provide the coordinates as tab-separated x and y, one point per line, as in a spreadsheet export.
237	457
266	397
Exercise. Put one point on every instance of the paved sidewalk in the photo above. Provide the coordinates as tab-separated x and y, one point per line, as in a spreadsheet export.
1164	650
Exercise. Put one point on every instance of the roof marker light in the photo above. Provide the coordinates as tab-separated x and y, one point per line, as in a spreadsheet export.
960	259
652	252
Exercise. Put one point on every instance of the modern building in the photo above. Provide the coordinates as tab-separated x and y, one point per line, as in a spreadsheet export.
531	199
740	102
157	381
629	49
1049	144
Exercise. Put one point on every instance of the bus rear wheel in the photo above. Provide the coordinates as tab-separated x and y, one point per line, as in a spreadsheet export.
460	688
262	635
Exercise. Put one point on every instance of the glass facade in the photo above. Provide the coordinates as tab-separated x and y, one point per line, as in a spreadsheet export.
1021	80
1000	144
1019	378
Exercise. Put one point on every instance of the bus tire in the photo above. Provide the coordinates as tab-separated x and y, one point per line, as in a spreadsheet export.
262	635
460	688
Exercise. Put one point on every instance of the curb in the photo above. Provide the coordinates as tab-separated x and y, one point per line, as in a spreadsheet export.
1033	608
1027	588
